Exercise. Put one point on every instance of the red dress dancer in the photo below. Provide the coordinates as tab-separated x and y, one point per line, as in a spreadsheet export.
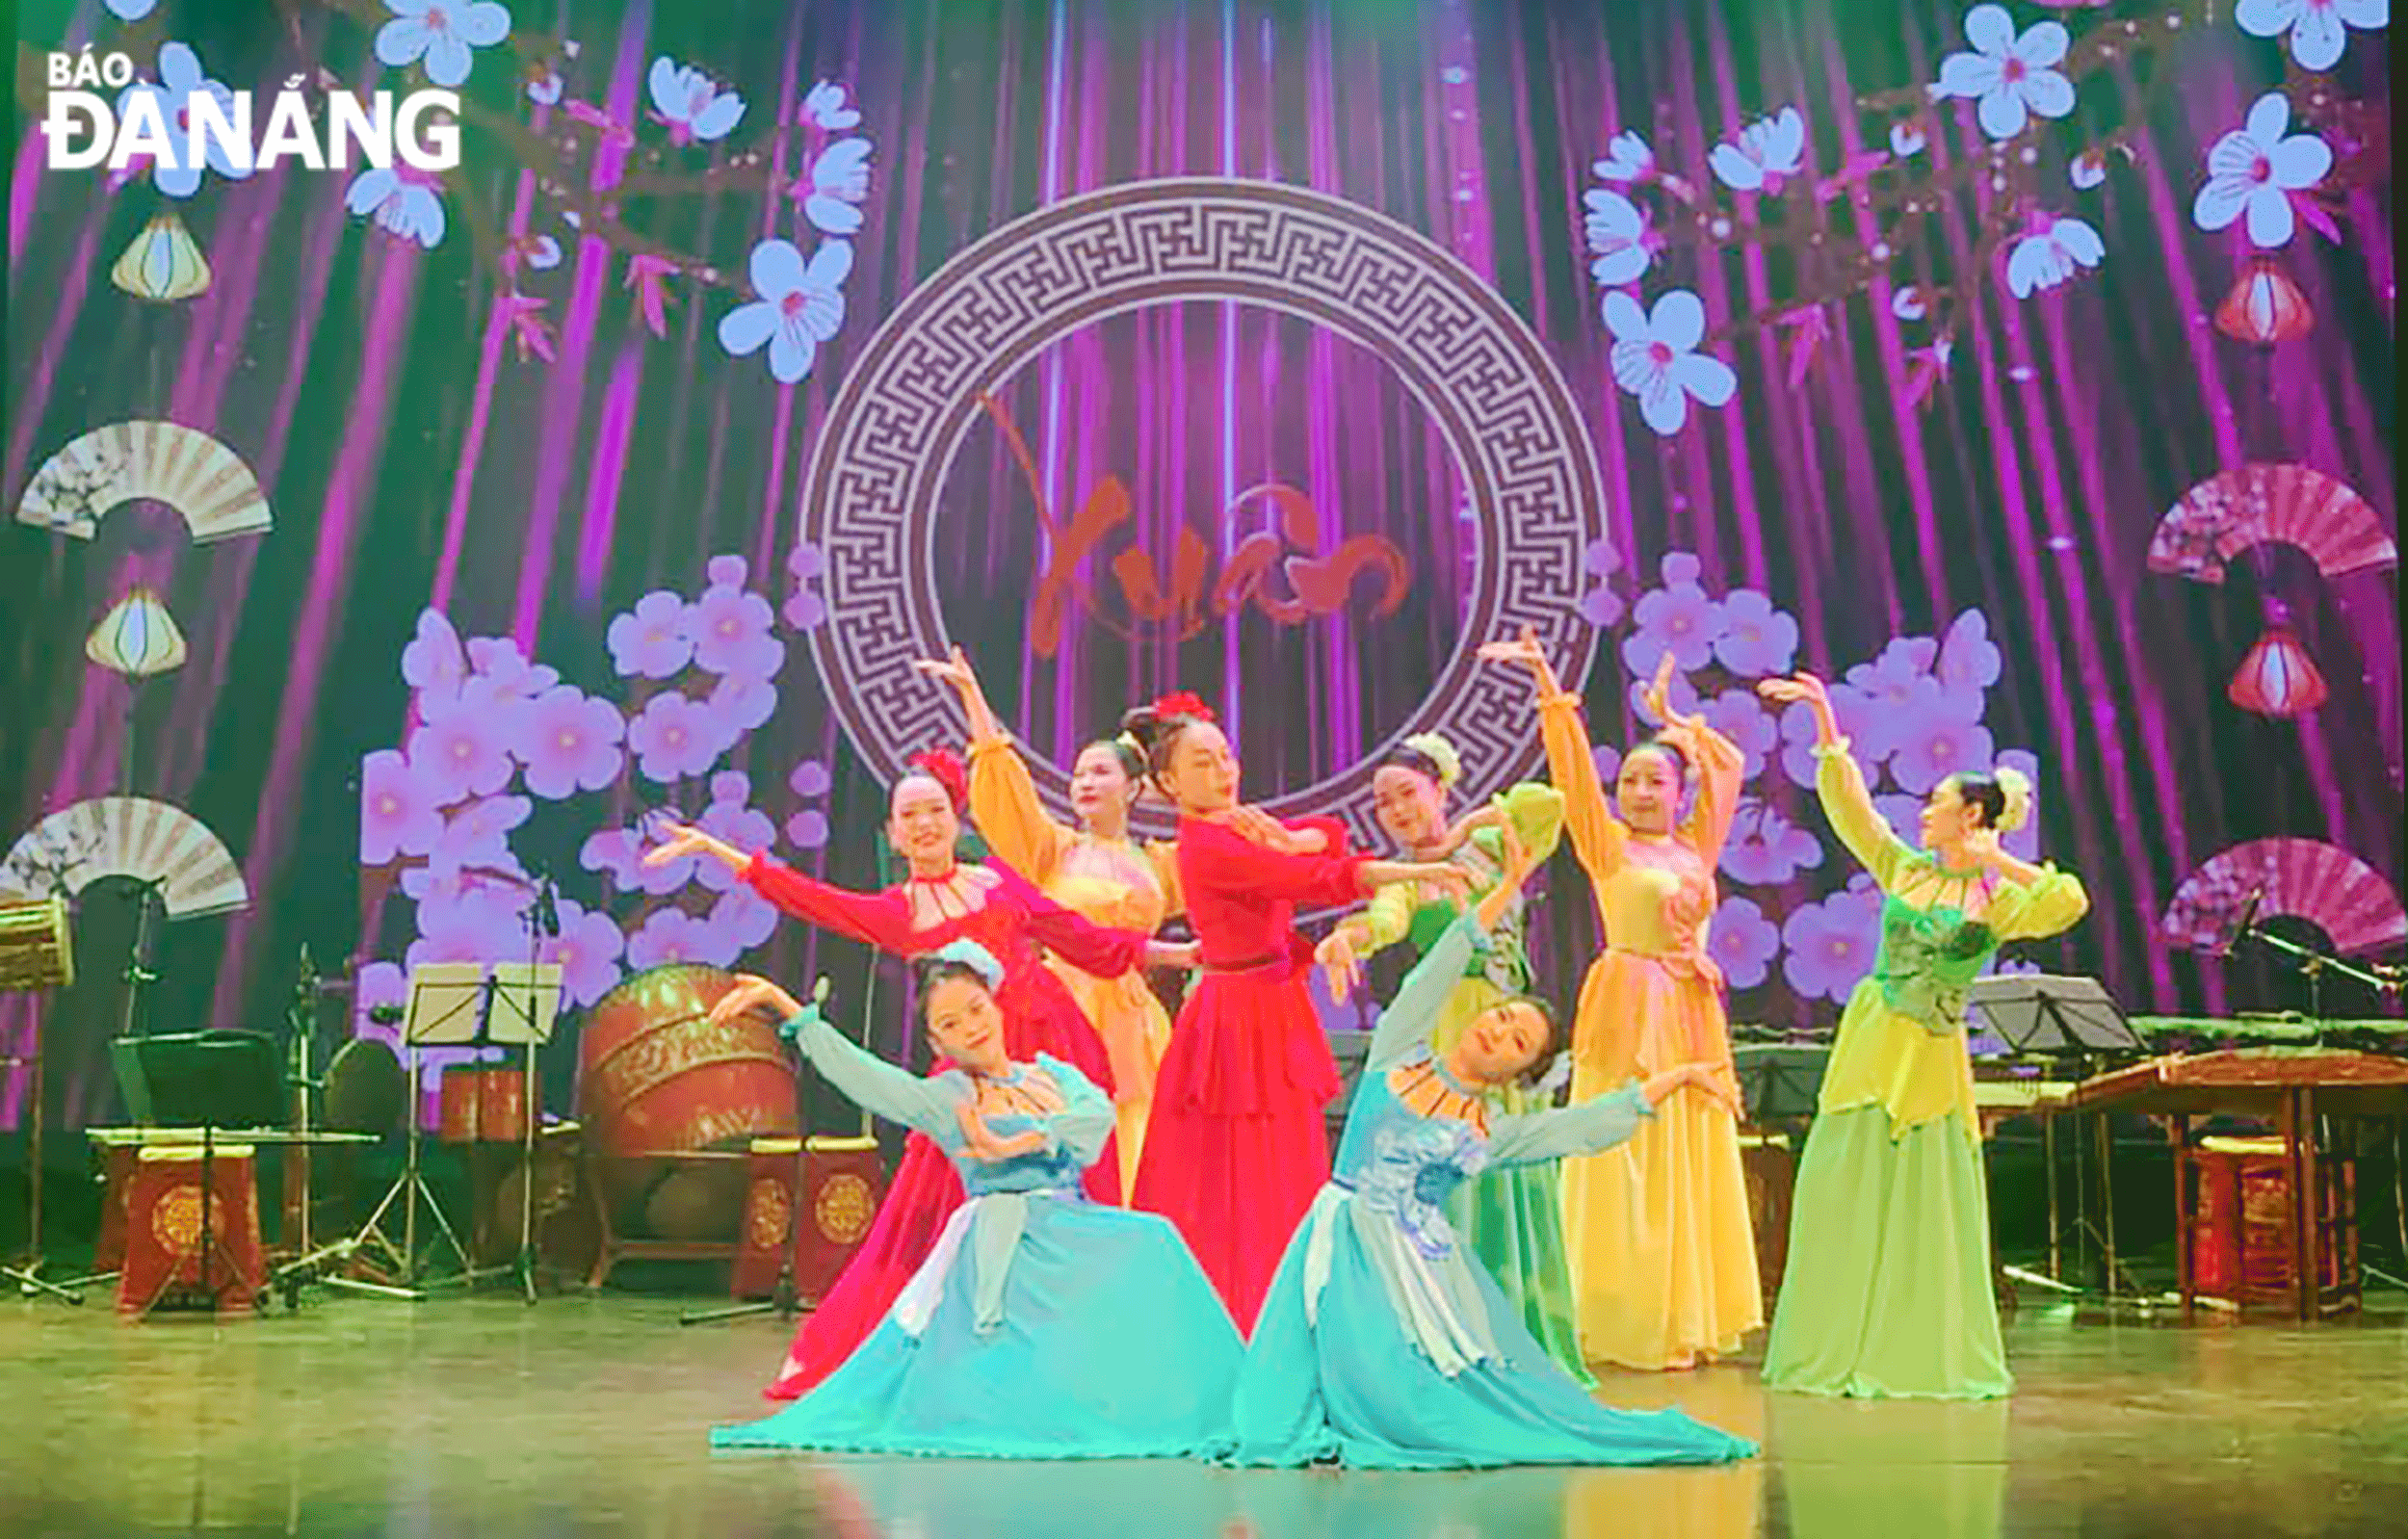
943	901
1235	1149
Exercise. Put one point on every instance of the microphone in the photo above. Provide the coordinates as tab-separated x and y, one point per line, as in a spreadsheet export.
547	911
2248	917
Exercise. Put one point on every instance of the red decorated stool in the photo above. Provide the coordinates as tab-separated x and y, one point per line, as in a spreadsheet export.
484	1104
167	1256
2237	1222
841	1182
768	1225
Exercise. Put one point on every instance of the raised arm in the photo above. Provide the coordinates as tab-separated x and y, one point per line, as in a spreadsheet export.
1592	1126
1598	836
1840	783
1004	803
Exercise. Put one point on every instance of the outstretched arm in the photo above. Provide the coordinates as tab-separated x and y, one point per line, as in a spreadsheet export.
1592	1126
866	1079
875	919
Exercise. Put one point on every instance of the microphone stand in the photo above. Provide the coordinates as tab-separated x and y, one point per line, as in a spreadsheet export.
785	1300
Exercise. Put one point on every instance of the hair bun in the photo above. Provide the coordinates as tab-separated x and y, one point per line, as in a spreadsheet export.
944	767
2016	786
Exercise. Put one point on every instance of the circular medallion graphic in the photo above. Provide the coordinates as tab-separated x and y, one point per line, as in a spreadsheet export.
769	1215
843	1208
175	1222
1522	452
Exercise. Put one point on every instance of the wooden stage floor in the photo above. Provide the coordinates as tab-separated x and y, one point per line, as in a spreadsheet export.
468	1417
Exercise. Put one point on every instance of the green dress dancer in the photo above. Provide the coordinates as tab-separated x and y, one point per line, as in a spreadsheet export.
1888	1290
1512	1217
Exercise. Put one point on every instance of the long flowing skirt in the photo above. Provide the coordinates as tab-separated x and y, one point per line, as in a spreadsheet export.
1111	1346
1888	1290
1136	1031
1237	1147
1352	1388
1512	1218
1039	1017
1662	1254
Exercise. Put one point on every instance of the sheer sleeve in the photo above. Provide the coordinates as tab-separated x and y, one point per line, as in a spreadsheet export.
1598	836
1078	940
1720	767
1413	1014
2047	907
1086	1120
877	919
1387	919
1536	812
871	1083
1858	823
1004	805
1592	1126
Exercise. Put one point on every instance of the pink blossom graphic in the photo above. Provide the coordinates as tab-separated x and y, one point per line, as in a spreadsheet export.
380	985
1832	944
730	632
1968	660
1765	849
444	883
1936	744
616	853
741	704
497	659
399	813
463	753
673	739
745	918
587	949
478	833
1743	942
1757	639
1677	616
569	741
810	778
807	829
1904	814
650	642
804	609
740	826
1740	717
433	664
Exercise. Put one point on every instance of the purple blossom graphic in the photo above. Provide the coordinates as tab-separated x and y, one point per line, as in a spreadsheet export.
1680	695
439	883
1832	944
650	642
506	670
1765	849
380	985
618	853
673	739
1757	639
805	610
569	741
1968	658
481	924
1904	814
731	819
730	628
1936	744
463	753
1743	942
807	829
670	935
1678	617
810	778
399	814
433	664
745	917
479	832
587	949
741	704
1740	717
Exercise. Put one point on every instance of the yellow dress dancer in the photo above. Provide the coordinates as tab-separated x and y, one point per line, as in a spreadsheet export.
1663	1257
1095	870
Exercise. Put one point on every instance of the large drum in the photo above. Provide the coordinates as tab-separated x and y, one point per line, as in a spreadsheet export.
656	1077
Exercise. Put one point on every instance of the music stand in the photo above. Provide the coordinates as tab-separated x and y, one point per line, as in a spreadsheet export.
524	1007
447	1008
2043	1015
1779	1081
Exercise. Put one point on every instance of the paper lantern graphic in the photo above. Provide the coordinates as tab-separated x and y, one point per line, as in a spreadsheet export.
137	638
2265	306
2277	678
2257	503
206	482
164	264
2300	879
127	835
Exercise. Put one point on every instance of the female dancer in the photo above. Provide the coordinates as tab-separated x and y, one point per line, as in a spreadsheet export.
1042	1327
1664	1260
1237	1147
1888	1290
941	901
1383	1346
1512	1218
1095	870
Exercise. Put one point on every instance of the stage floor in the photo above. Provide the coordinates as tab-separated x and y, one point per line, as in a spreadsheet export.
463	1418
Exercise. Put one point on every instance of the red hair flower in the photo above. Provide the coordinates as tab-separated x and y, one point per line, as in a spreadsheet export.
944	767
1184	703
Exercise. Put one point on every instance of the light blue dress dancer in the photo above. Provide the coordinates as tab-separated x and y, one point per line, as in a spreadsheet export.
1042	1327
1383	1345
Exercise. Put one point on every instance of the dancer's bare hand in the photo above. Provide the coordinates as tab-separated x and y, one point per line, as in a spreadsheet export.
680	839
754	993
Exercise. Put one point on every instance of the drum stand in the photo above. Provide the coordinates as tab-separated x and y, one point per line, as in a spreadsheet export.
27	1275
51	964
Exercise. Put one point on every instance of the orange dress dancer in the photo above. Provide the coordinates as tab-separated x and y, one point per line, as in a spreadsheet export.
1095	870
942	901
1662	1253
1237	1149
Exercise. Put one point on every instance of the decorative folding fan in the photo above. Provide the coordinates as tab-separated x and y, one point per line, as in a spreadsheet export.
127	835
2290	505
193	473
2302	878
